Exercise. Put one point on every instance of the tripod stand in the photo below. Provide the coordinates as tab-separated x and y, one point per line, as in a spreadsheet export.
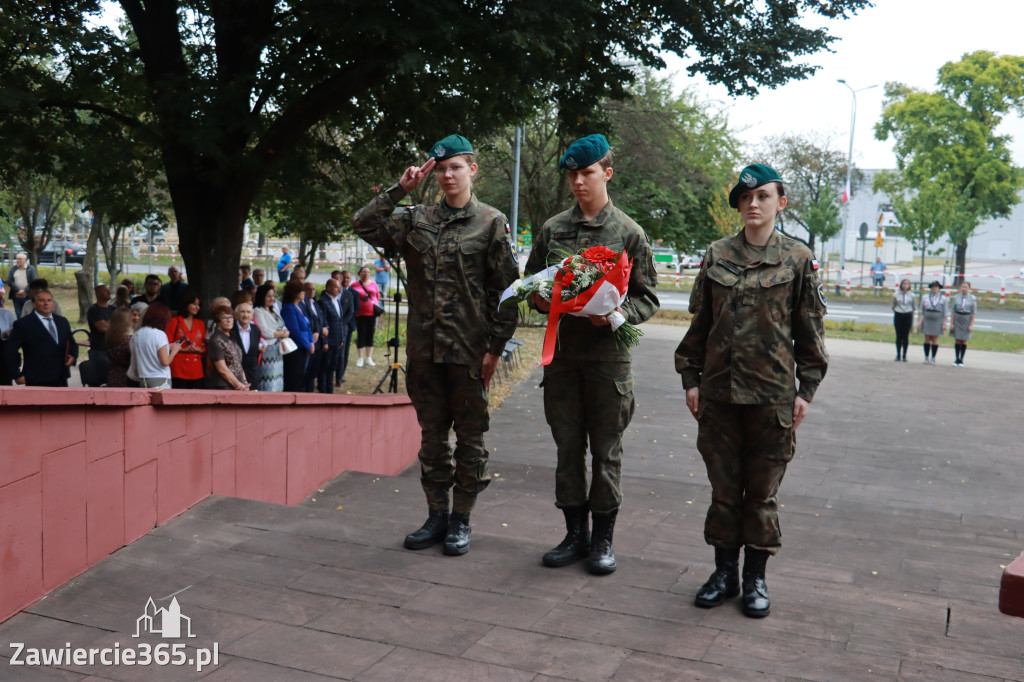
393	345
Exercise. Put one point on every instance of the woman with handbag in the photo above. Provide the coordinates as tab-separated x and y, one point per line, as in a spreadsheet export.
186	327
366	316
270	376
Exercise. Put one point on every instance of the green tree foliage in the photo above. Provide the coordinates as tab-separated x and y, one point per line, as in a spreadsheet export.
673	160
927	213
947	139
813	171
225	90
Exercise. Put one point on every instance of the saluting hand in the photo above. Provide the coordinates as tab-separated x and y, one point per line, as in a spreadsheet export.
413	176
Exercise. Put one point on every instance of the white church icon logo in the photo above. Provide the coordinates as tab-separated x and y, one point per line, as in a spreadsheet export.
164	622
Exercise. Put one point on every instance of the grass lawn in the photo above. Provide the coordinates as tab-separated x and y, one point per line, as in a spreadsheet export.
1003	342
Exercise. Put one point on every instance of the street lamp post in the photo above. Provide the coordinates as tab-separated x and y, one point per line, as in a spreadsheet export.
849	176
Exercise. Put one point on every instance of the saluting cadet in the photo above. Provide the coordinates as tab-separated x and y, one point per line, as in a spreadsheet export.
757	329
459	258
588	387
961	323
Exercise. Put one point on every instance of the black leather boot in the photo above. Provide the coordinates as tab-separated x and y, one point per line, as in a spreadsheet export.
602	558
755	593
724	583
457	541
431	532
576	544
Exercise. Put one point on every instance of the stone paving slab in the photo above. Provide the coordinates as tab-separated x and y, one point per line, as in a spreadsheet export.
899	511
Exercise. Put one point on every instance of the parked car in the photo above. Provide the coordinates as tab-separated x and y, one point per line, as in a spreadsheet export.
686	262
56	251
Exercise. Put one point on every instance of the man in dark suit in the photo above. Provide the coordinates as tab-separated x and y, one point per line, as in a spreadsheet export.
317	325
330	304
173	291
46	344
247	335
349	307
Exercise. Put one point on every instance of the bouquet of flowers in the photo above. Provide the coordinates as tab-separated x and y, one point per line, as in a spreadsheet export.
593	282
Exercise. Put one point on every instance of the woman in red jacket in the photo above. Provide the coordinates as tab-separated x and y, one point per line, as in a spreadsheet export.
187	366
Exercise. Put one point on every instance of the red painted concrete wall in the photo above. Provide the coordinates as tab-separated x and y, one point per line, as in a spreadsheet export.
84	472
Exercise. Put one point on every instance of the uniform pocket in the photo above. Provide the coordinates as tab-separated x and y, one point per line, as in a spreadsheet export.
785	416
721	274
777	291
423	236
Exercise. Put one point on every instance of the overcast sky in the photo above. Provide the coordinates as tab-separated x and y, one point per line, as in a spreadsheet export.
897	40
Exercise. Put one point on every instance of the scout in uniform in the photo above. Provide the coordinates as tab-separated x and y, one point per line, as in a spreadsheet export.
588	387
459	258
932	321
961	320
757	329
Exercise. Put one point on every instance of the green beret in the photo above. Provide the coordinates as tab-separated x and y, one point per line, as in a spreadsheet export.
751	177
453	145
584	152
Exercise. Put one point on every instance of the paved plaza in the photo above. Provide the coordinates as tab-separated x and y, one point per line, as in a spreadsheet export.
899	511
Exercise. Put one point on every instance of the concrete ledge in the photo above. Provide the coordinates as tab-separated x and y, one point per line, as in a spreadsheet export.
1011	589
90	470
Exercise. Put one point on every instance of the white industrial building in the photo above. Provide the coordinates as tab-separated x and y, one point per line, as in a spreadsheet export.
993	240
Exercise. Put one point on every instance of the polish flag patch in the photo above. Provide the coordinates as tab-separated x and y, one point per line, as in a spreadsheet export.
814	264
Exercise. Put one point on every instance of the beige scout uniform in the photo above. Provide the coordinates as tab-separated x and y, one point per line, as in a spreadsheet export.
458	263
757	329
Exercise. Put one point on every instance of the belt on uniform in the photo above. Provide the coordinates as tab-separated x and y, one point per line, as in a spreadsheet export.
963	312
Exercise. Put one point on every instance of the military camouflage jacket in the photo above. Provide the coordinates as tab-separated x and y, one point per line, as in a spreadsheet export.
457	267
569	231
757	325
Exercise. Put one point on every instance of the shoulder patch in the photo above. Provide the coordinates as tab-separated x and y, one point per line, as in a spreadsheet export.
821	295
814	264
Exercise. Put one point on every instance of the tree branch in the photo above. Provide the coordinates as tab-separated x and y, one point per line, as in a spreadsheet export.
95	108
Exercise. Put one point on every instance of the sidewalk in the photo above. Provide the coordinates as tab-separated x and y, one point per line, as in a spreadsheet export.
900	509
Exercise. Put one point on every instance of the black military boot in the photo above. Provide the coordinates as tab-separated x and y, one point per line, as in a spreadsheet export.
602	558
457	541
755	593
431	532
576	544
724	583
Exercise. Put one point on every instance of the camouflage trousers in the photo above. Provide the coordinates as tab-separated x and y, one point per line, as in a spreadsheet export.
588	401
446	396
746	449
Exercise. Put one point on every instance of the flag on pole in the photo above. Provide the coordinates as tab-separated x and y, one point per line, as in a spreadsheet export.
846	192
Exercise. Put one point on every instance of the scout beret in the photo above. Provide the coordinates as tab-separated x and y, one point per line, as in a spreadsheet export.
584	152
751	177
453	145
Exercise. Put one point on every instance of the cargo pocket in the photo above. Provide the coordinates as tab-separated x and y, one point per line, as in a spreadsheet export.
786	446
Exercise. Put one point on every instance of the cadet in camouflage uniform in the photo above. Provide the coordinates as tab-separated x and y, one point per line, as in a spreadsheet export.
588	387
757	327
459	258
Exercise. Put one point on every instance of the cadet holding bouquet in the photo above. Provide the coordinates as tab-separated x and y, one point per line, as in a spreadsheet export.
588	385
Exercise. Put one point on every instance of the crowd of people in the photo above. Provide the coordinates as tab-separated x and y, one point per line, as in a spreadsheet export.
158	339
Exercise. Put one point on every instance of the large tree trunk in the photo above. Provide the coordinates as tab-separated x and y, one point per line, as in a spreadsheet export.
83	278
961	262
210	229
